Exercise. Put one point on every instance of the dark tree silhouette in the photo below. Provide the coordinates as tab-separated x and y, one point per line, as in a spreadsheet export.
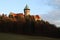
22	25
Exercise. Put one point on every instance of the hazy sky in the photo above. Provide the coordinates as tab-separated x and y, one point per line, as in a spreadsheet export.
48	9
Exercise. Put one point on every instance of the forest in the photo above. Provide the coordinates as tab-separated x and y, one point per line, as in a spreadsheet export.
28	27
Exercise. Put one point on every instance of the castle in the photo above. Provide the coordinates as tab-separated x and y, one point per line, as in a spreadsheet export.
26	14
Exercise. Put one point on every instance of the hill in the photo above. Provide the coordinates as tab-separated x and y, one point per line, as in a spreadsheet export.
28	25
8	36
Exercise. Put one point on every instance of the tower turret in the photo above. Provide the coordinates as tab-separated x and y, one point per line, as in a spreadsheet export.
26	10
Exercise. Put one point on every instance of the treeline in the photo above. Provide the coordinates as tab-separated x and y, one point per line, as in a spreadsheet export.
30	27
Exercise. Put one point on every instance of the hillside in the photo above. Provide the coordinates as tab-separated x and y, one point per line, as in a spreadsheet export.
8	36
27	25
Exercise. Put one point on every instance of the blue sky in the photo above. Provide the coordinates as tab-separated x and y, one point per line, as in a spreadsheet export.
36	6
48	9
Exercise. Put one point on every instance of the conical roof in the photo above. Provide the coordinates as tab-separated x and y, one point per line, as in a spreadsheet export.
26	7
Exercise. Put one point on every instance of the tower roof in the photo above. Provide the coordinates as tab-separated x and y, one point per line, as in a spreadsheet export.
26	7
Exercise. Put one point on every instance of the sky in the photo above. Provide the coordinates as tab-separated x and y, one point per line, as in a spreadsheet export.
48	10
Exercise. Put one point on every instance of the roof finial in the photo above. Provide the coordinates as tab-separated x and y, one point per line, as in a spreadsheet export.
26	7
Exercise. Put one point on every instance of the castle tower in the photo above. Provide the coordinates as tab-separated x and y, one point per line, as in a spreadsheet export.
26	10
